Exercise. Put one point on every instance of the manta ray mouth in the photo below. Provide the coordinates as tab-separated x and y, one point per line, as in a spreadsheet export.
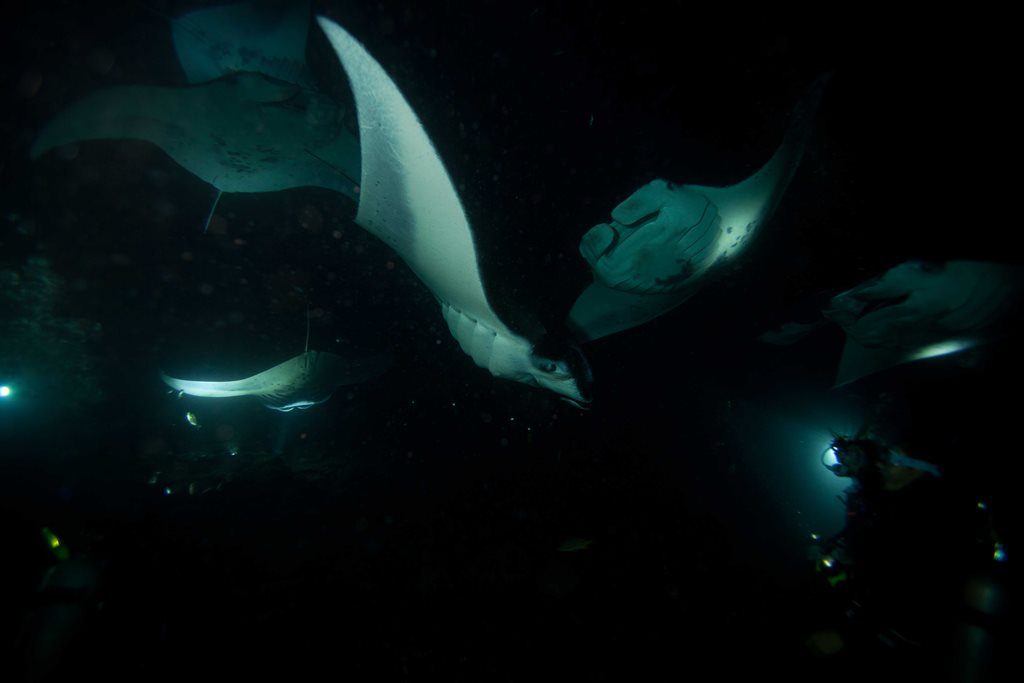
878	304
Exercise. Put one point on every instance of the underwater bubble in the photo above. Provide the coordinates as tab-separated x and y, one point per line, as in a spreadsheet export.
311	219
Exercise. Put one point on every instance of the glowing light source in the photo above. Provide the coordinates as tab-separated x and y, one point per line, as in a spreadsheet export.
941	349
815	537
51	538
167	490
5	391
999	554
982	505
59	551
827	561
830	457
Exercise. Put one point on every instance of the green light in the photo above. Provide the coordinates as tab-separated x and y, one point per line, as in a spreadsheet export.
834	580
982	505
999	554
51	540
5	391
827	561
815	537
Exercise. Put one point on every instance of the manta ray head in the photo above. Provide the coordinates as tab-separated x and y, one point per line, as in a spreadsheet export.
560	366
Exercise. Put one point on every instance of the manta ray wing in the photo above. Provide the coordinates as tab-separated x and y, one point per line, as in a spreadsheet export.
408	200
305	380
240	133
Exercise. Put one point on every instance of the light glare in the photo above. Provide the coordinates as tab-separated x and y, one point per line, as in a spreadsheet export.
831	457
941	349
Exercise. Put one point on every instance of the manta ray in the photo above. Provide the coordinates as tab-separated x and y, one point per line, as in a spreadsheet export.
408	201
665	239
914	311
249	119
918	310
298	383
252	132
244	131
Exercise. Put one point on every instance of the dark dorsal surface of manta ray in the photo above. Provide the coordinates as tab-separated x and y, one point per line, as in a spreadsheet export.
245	132
253	124
665	239
408	200
268	39
298	383
920	310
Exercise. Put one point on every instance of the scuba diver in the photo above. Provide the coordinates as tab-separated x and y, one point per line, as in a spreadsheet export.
874	464
55	630
916	570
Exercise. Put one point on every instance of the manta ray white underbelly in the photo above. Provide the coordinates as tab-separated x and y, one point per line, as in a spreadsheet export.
408	200
300	382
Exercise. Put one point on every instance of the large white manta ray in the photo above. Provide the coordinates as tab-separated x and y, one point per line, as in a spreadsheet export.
259	132
665	239
408	200
298	383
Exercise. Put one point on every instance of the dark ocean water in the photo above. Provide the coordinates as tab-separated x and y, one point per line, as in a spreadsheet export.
409	528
